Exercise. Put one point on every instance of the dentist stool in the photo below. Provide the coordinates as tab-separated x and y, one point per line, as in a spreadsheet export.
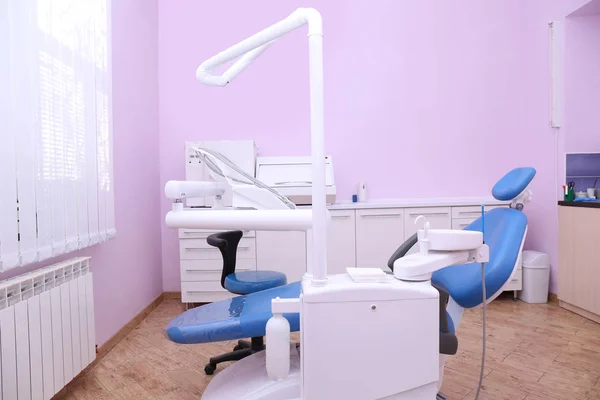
240	283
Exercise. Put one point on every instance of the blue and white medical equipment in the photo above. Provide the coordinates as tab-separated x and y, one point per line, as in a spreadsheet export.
385	339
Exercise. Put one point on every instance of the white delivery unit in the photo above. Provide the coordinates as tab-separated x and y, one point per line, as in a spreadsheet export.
292	177
240	152
536	277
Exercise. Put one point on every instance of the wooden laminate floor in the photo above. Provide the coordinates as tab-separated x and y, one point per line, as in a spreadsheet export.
534	352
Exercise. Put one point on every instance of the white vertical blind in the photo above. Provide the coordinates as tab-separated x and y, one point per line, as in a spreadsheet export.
55	128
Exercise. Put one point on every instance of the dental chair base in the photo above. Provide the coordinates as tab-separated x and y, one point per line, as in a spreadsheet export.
368	341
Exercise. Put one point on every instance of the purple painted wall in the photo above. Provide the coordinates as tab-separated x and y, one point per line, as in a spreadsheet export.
591	8
427	98
582	82
127	270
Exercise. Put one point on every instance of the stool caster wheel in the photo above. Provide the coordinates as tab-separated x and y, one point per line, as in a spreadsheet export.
209	369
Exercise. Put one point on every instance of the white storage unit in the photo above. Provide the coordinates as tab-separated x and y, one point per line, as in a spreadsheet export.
283	252
341	241
378	233
201	265
360	235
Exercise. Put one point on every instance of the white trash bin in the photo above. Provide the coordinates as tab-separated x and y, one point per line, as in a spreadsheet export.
536	277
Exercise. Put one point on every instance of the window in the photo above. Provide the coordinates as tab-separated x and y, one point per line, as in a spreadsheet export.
56	178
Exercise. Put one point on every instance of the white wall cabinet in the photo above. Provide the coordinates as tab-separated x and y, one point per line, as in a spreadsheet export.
359	236
341	241
378	233
283	252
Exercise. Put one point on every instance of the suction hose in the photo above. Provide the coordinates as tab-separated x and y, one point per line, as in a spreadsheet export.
484	316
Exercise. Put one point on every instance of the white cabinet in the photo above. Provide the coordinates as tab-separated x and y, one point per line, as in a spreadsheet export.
282	251
461	223
341	242
357	237
470	212
201	265
379	232
438	217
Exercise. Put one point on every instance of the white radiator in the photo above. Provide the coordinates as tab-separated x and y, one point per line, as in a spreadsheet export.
47	333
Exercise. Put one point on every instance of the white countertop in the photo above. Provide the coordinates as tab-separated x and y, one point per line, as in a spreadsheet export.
425	202
402	203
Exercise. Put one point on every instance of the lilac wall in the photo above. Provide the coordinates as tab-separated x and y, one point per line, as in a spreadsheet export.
458	90
591	8
127	270
582	82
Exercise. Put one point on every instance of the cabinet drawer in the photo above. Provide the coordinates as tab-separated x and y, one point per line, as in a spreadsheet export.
198	249
516	281
204	233
341	242
471	211
461	223
190	295
199	287
211	270
378	234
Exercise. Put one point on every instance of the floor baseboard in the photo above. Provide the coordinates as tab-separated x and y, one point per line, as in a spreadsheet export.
577	310
172	295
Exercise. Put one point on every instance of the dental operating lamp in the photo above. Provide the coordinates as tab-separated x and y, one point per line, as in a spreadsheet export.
316	219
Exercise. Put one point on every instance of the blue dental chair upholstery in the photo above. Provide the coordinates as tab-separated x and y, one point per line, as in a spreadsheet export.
503	231
232	319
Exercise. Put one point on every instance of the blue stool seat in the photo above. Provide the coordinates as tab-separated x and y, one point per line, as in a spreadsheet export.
253	281
232	319
504	232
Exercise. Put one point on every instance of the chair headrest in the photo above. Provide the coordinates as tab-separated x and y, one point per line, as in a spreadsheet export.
513	183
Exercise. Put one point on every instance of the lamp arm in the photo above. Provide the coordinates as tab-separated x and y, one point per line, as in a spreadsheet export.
252	47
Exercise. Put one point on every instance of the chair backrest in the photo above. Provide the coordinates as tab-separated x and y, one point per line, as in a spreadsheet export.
227	243
504	232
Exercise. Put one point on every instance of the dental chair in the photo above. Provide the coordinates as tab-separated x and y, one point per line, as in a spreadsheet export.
459	286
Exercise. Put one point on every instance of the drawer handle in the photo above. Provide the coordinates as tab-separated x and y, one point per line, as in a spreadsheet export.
428	214
381	215
340	217
206	233
212	248
203	270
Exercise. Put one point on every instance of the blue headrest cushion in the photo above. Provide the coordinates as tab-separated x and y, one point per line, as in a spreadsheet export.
513	183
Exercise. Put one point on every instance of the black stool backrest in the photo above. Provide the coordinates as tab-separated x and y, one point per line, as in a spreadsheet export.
227	243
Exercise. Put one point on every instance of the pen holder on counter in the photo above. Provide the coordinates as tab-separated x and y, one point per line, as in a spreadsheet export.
570	196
